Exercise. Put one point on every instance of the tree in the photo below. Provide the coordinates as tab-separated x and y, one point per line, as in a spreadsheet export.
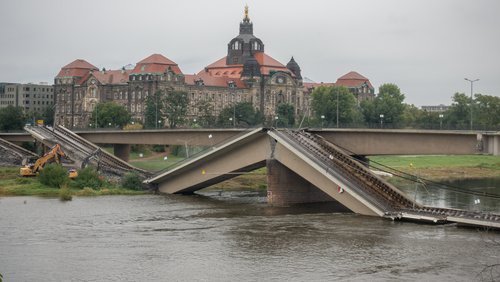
48	115
205	113
11	118
286	114
175	107
244	114
458	116
153	111
110	114
389	102
487	112
324	103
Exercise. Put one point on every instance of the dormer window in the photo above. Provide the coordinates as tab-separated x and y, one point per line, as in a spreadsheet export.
236	45
143	67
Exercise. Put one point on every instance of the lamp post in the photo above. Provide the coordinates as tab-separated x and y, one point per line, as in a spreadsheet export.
471	98
276	119
322	120
337	109
156	109
234	111
230	119
159	122
381	120
96	116
441	121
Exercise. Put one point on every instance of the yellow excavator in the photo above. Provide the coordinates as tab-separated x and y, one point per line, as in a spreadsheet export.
30	168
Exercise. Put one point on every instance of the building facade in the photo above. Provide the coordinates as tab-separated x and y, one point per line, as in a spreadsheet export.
245	74
31	97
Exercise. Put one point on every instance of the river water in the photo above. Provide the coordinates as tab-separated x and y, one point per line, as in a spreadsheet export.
228	236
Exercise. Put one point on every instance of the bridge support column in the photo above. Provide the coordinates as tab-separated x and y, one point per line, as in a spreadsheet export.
285	187
122	151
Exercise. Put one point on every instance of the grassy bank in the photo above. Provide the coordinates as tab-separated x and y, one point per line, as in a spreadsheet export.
444	167
11	184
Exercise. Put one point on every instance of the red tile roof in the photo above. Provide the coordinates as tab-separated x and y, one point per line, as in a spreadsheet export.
78	68
156	63
209	80
353	79
112	77
267	64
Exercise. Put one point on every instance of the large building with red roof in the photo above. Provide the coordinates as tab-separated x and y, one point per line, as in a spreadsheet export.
245	74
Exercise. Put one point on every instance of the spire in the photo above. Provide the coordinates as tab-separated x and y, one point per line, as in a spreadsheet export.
246	18
294	68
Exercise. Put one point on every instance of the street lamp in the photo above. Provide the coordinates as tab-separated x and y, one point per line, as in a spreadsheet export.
471	98
276	119
322	120
159	122
337	109
441	121
234	111
96	116
381	120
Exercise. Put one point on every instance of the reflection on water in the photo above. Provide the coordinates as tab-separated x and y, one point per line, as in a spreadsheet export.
457	194
227	236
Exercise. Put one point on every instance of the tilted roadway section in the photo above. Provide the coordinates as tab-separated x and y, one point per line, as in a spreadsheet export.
316	160
12	154
78	149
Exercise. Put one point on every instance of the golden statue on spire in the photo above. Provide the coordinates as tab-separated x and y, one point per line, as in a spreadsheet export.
246	13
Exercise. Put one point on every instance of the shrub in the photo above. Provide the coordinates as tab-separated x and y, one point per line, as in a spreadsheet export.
131	180
53	175
158	148
88	177
65	194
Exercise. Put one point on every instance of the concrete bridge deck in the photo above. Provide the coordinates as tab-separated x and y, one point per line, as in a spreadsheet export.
361	141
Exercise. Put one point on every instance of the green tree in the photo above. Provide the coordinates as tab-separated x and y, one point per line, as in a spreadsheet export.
411	115
324	103
243	113
286	114
458	116
389	102
48	115
11	118
487	112
110	114
175	107
153	111
205	113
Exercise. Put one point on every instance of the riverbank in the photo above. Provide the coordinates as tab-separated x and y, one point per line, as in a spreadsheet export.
11	184
443	168
436	168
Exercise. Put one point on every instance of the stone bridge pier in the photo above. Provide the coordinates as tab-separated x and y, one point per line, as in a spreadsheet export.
285	187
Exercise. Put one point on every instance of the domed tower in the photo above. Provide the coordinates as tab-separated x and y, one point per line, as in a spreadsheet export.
294	68
245	45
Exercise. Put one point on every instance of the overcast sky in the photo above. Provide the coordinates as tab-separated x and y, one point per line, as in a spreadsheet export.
426	47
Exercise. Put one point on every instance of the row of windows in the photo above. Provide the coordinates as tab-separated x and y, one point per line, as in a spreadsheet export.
42	96
6	102
44	89
7	96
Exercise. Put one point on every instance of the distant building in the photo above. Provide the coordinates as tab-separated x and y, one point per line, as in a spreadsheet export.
359	85
245	74
31	97
435	109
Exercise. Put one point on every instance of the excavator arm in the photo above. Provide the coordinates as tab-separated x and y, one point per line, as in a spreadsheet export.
54	155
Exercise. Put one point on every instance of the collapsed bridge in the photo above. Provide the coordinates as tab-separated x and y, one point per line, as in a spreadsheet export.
304	167
81	151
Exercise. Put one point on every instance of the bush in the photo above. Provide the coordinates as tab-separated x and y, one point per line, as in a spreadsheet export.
65	194
158	148
88	177
131	180
54	175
